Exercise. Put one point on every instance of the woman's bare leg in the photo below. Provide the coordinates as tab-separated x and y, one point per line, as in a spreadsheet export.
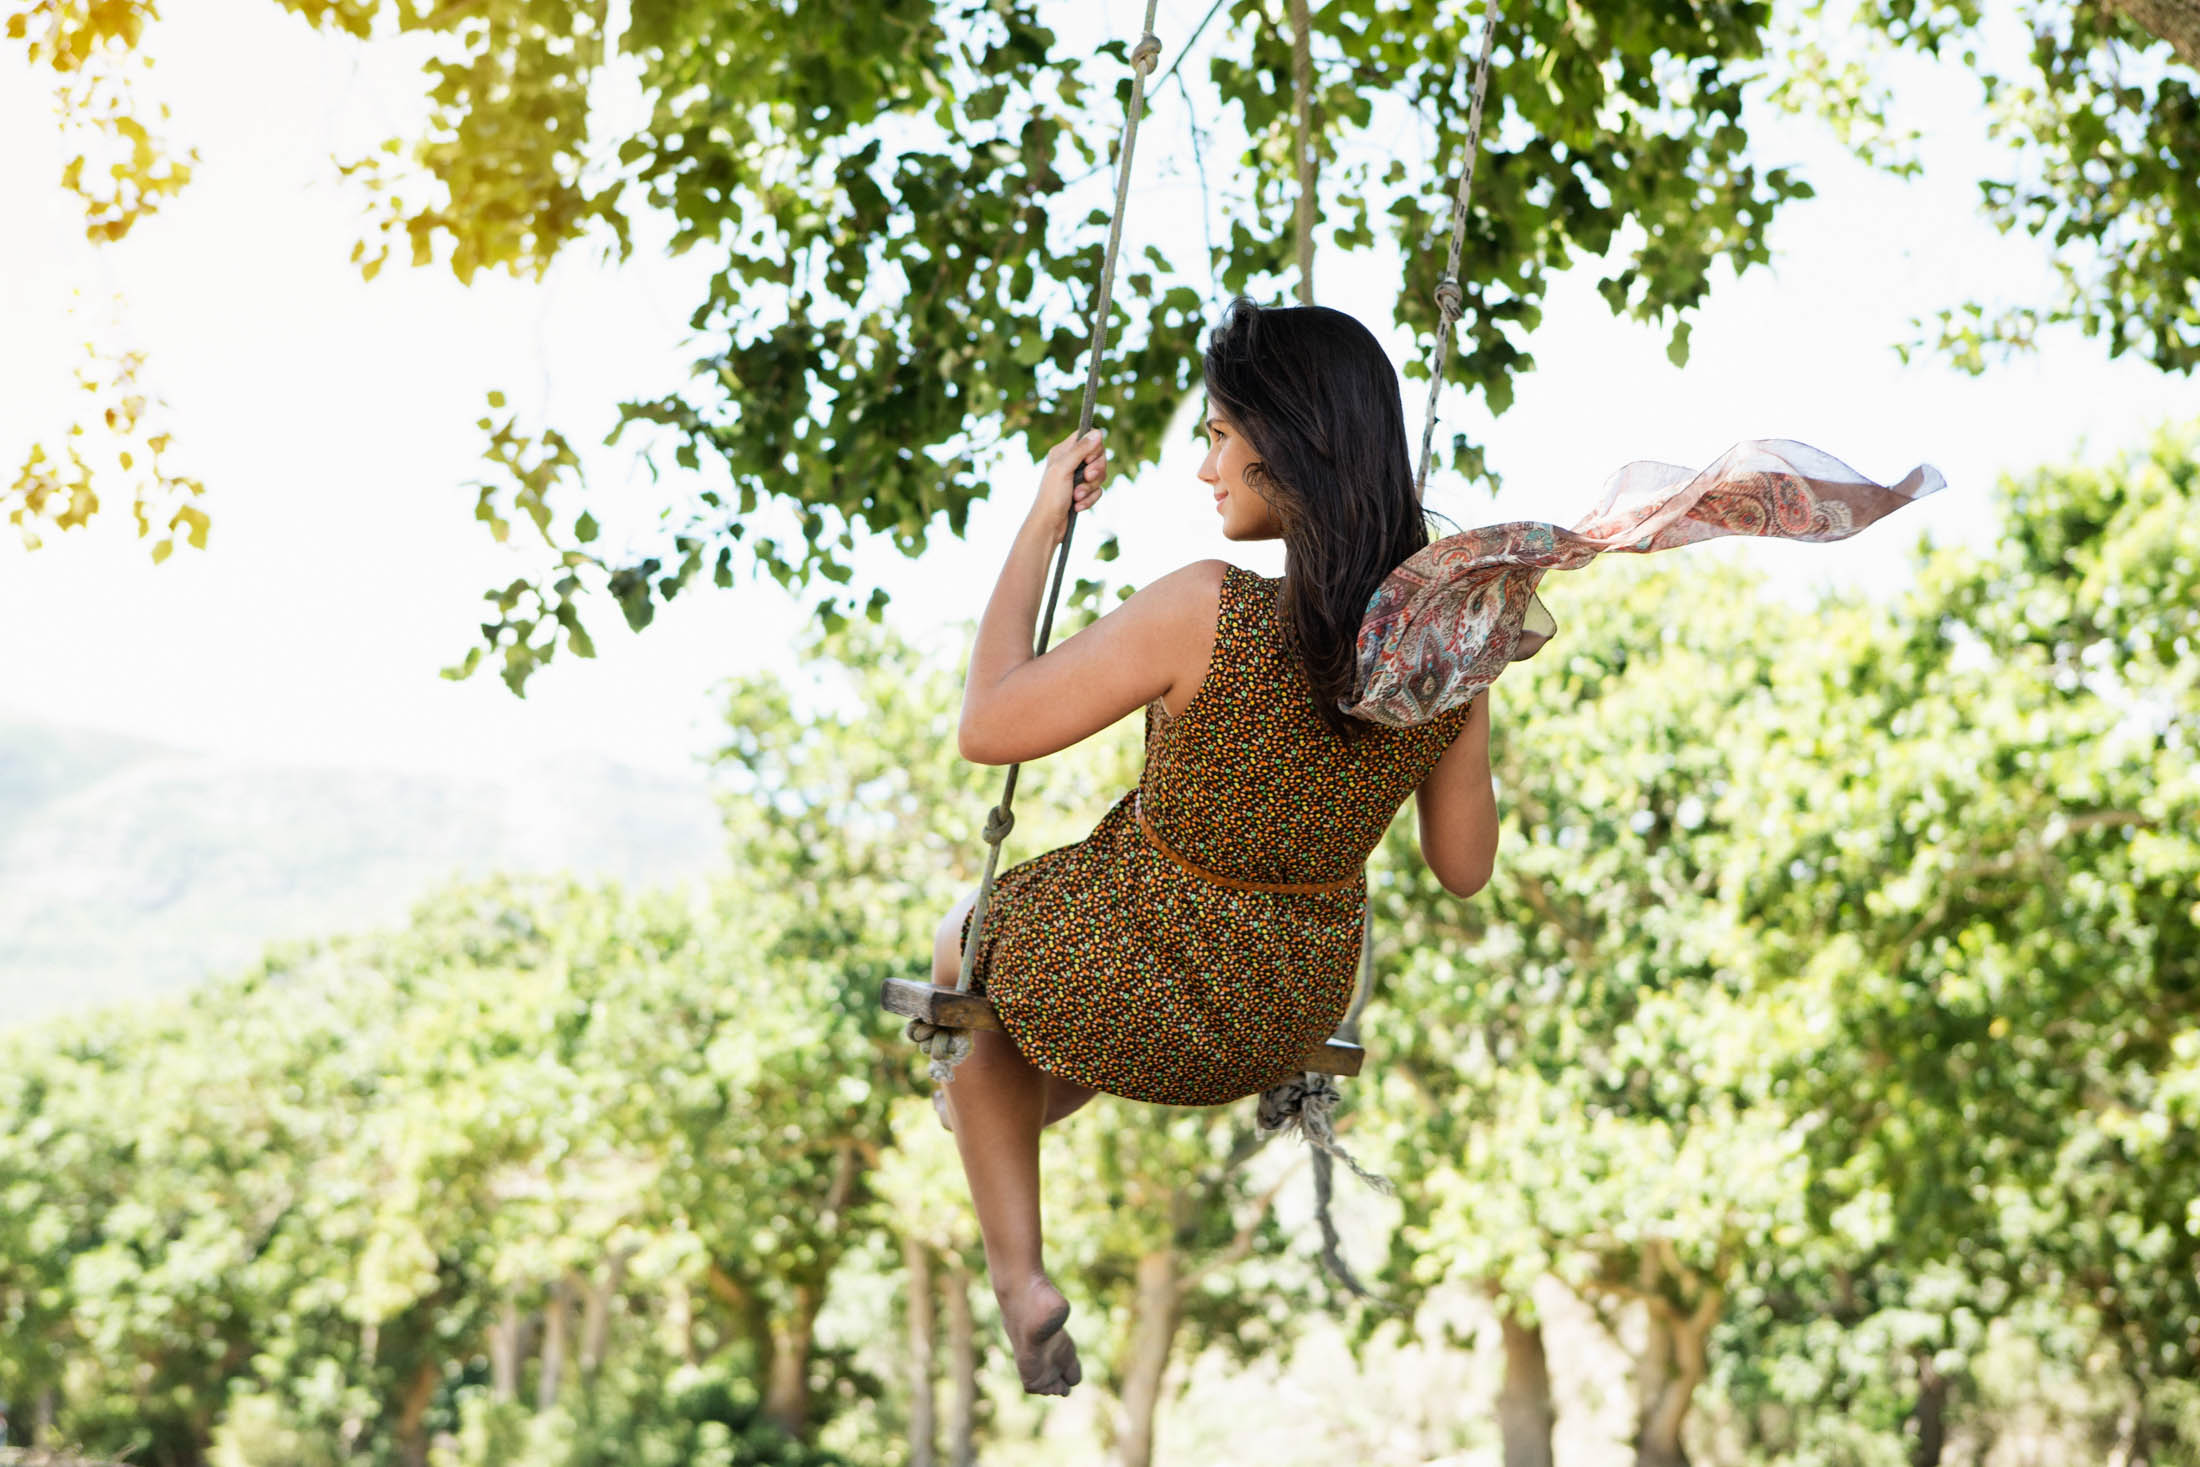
1064	1098
996	1105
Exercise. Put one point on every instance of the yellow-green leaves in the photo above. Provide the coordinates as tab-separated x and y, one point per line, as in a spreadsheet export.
119	435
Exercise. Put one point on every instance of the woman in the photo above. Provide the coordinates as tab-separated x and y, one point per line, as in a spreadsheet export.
1205	936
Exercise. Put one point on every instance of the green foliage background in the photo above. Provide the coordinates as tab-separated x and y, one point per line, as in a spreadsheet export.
1832	1026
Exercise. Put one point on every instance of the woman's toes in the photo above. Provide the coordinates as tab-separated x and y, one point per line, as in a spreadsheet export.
1067	1370
1046	1357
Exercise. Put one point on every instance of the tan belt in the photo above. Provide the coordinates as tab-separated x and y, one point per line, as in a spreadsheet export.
1309	887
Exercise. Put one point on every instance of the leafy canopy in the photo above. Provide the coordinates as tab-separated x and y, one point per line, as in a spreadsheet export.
902	204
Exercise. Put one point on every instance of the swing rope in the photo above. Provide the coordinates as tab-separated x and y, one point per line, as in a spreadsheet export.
950	1047
1306	1103
1450	299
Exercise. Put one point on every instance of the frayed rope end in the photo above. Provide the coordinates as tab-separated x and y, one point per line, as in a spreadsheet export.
1304	1104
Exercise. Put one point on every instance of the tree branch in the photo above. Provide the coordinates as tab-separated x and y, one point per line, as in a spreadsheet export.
1539	897
1242	1244
2174	21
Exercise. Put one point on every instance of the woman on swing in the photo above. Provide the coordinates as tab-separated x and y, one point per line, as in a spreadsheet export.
1206	935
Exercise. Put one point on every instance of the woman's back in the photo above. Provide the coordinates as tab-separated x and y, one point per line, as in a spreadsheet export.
1247	782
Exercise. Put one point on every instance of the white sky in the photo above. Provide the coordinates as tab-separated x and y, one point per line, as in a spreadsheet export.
334	420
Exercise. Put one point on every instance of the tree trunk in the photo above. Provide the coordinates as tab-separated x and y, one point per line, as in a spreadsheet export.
42	1415
962	1368
751	1319
412	1438
596	1314
787	1383
1930	1415
504	1353
1524	1412
557	1326
2175	21
787	1375
916	1260
1673	1365
1673	1360
1154	1318
680	1319
1661	1398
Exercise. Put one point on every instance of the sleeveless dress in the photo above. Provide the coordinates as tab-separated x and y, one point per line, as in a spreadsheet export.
1113	965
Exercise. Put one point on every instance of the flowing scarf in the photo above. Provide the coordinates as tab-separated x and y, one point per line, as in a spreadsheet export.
1442	626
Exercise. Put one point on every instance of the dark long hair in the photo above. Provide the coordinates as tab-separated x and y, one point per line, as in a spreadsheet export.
1317	401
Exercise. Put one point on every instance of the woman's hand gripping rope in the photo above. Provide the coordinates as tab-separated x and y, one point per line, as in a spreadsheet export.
1072	476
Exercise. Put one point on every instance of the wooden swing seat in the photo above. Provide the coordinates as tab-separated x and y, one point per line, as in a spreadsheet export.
951	1010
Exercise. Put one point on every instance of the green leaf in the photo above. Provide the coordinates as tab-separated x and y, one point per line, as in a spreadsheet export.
1676	348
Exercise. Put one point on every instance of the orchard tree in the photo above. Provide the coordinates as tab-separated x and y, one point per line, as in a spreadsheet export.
1573	1079
1981	870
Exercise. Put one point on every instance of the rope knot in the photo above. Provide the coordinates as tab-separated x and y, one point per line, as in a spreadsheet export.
1146	53
999	821
946	1048
1304	1103
1450	299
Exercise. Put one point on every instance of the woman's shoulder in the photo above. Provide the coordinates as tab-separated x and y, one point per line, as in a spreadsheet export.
1222	574
1203	591
1198	581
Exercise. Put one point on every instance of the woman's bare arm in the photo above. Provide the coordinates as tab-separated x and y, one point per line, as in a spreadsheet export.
1458	809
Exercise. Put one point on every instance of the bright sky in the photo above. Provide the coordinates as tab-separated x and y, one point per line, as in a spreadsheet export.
334	420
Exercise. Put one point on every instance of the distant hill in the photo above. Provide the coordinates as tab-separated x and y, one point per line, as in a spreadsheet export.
129	868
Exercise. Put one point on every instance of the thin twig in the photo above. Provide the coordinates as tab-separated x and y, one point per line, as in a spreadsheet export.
1189	41
1199	166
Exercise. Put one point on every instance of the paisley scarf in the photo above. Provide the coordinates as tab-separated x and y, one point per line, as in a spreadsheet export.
1442	626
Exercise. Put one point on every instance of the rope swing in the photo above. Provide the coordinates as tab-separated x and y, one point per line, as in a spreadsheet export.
940	1020
1306	1104
950	1046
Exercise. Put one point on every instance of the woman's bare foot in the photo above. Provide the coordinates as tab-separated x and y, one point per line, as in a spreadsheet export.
1046	1357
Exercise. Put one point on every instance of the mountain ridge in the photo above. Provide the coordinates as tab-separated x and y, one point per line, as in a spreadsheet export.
131	868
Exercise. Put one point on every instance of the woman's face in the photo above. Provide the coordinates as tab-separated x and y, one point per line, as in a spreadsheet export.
1245	515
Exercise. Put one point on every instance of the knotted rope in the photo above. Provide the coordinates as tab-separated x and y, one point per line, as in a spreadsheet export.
1450	299
1306	1102
950	1047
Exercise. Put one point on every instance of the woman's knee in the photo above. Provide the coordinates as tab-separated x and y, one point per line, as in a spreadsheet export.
1064	1098
947	943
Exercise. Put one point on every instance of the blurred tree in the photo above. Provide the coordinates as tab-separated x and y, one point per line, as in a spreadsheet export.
1567	1068
1158	1218
1995	913
941	1251
62	1168
2101	121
